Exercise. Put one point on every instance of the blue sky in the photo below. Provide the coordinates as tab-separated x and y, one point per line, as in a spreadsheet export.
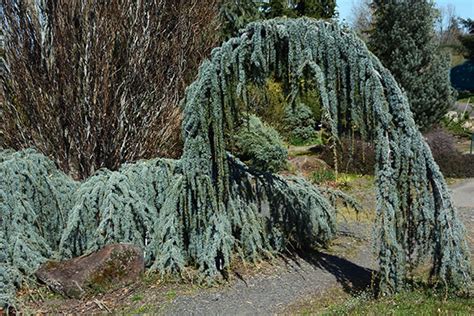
464	8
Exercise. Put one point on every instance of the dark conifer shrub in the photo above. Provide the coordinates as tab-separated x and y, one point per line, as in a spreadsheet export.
451	162
353	156
404	40
299	124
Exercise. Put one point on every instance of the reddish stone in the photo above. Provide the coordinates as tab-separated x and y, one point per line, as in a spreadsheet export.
112	266
308	164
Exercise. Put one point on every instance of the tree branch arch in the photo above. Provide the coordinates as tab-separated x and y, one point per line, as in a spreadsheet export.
415	215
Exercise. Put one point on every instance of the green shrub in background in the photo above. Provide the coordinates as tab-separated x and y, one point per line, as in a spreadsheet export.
260	145
269	101
299	124
296	123
310	97
451	161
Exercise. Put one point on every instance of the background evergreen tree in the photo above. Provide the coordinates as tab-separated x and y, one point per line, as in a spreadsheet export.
467	40
462	76
276	8
320	9
235	14
403	39
260	145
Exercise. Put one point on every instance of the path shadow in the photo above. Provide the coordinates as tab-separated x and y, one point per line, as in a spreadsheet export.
353	278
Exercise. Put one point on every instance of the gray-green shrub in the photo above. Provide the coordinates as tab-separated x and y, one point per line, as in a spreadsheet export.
260	145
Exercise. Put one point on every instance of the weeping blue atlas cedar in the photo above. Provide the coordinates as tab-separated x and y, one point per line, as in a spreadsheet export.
206	208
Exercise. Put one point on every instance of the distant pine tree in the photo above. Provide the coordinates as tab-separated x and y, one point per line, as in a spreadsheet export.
277	8
319	9
235	14
403	38
467	40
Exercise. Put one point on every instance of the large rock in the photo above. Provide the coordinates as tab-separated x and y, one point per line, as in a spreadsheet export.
112	266
305	165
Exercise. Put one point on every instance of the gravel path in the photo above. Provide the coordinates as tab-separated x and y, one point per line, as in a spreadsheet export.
290	280
463	194
265	295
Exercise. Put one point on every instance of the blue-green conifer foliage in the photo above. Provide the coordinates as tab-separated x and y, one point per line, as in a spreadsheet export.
207	208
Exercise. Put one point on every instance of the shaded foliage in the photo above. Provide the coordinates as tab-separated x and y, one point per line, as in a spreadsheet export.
352	156
357	156
467	40
268	101
319	9
462	76
451	162
236	14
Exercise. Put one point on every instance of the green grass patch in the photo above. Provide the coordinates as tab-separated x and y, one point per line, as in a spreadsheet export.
457	59
320	304
342	180
469	100
322	176
171	295
417	302
137	298
313	141
457	128
454	181
141	310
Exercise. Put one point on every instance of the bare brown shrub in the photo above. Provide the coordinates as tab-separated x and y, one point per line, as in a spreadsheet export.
95	83
451	162
353	156
356	156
